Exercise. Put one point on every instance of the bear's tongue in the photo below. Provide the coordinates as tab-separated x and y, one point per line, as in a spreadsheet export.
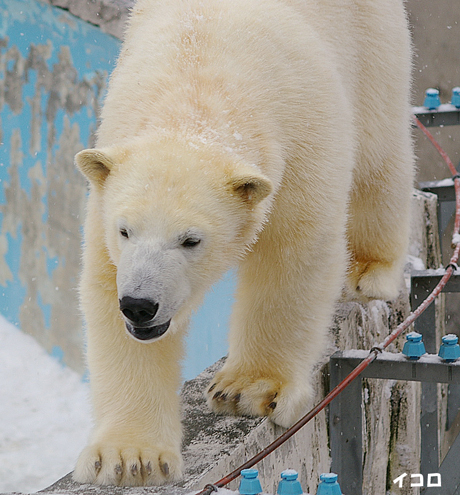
149	333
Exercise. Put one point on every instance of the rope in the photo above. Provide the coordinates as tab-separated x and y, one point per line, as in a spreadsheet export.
375	351
455	174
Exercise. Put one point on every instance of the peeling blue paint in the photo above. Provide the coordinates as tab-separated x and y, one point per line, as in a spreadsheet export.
53	71
58	354
52	263
85	377
46	310
14	292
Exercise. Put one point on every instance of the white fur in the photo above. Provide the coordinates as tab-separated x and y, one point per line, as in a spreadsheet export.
275	132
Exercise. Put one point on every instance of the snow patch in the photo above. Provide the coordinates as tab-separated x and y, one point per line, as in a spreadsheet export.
289	472
445	182
415	263
45	414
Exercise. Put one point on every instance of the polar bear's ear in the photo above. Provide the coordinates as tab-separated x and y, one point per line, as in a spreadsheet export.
251	188
95	165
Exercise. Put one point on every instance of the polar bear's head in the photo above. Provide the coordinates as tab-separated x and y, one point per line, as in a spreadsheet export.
174	221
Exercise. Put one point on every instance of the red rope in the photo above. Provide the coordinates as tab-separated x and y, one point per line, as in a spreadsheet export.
374	351
449	164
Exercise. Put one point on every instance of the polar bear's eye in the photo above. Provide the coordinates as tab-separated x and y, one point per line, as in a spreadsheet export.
124	233
190	242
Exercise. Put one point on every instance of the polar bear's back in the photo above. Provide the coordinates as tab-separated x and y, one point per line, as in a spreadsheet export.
273	66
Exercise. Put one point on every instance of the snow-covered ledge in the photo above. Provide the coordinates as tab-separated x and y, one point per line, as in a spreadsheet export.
215	445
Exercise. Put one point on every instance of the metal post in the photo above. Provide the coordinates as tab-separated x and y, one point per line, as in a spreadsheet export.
345	422
426	325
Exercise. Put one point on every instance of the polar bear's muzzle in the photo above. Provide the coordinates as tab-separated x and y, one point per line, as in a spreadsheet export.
139	315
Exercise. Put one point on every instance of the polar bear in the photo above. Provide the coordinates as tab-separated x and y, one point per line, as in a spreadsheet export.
269	135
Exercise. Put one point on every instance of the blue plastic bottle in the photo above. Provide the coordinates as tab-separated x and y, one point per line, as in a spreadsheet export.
328	485
249	483
414	347
449	350
289	484
432	100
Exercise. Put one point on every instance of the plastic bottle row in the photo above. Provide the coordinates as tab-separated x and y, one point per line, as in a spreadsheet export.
432	100
288	485
414	347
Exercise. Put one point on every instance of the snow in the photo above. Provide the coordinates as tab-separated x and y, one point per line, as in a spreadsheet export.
438	271
45	414
415	262
289	472
445	107
456	239
445	182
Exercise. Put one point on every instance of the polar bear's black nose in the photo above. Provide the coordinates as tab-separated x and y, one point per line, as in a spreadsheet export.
138	311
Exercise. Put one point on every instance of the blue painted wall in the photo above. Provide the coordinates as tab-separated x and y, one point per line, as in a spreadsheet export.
53	75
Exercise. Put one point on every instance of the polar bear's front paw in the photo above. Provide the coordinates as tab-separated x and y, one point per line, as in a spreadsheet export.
105	464
230	393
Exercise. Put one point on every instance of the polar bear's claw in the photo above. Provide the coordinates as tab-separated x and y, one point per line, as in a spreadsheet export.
107	465
165	468
244	396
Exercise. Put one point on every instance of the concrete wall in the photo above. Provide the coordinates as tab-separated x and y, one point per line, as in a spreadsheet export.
53	73
109	15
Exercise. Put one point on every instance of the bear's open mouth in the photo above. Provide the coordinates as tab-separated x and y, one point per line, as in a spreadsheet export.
148	333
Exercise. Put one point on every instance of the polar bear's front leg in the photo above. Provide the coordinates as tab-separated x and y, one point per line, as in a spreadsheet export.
137	434
284	305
